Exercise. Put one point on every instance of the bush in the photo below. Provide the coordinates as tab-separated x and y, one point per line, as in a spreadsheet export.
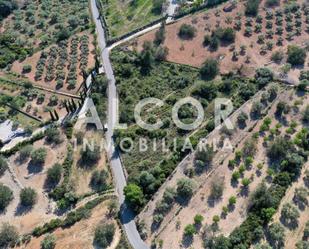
271	3
301	197
160	35
54	174
305	119
242	118
90	156
99	180
256	109
6	196
277	56
186	31
210	69
252	7
190	230
263	76
53	135
28	197
134	196
27	69
8	236
185	188
232	201
296	55
198	219
157	6
217	187
104	234
277	235
25	153
49	242
289	214
228	35
3	165
38	156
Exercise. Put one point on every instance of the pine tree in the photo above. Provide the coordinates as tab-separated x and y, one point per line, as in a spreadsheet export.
52	116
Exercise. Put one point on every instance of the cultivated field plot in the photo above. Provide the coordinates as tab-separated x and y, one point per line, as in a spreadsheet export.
49	42
80	235
256	38
61	66
33	101
220	197
56	182
41	23
125	16
24	172
170	82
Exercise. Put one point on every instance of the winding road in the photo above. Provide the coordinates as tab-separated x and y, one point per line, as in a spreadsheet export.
126	214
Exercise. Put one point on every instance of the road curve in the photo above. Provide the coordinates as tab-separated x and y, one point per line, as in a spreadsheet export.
126	214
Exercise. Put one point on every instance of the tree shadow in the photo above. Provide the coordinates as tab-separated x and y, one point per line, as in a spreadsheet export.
49	186
244	192
290	224
234	183
22	210
301	205
34	168
187	241
242	125
211	201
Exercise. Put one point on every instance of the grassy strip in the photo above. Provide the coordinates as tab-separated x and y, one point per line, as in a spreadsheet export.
72	217
17	147
60	193
194	9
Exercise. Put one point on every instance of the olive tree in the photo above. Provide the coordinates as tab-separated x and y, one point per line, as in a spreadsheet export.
289	214
25	153
185	188
38	156
104	234
49	242
3	165
28	197
276	235
6	196
8	235
54	174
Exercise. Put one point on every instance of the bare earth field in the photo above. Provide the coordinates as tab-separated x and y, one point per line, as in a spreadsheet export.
80	235
172	227
17	67
27	175
34	107
192	52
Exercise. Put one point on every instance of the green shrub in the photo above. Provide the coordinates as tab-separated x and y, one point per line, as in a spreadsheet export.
38	156
252	7
54	174
296	55
3	165
210	69
27	69
104	234
186	31
6	196
28	197
8	236
49	242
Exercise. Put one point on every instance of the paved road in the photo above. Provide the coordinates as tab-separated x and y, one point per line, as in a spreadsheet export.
127	216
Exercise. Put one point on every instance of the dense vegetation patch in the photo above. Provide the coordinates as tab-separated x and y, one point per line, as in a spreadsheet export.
140	75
